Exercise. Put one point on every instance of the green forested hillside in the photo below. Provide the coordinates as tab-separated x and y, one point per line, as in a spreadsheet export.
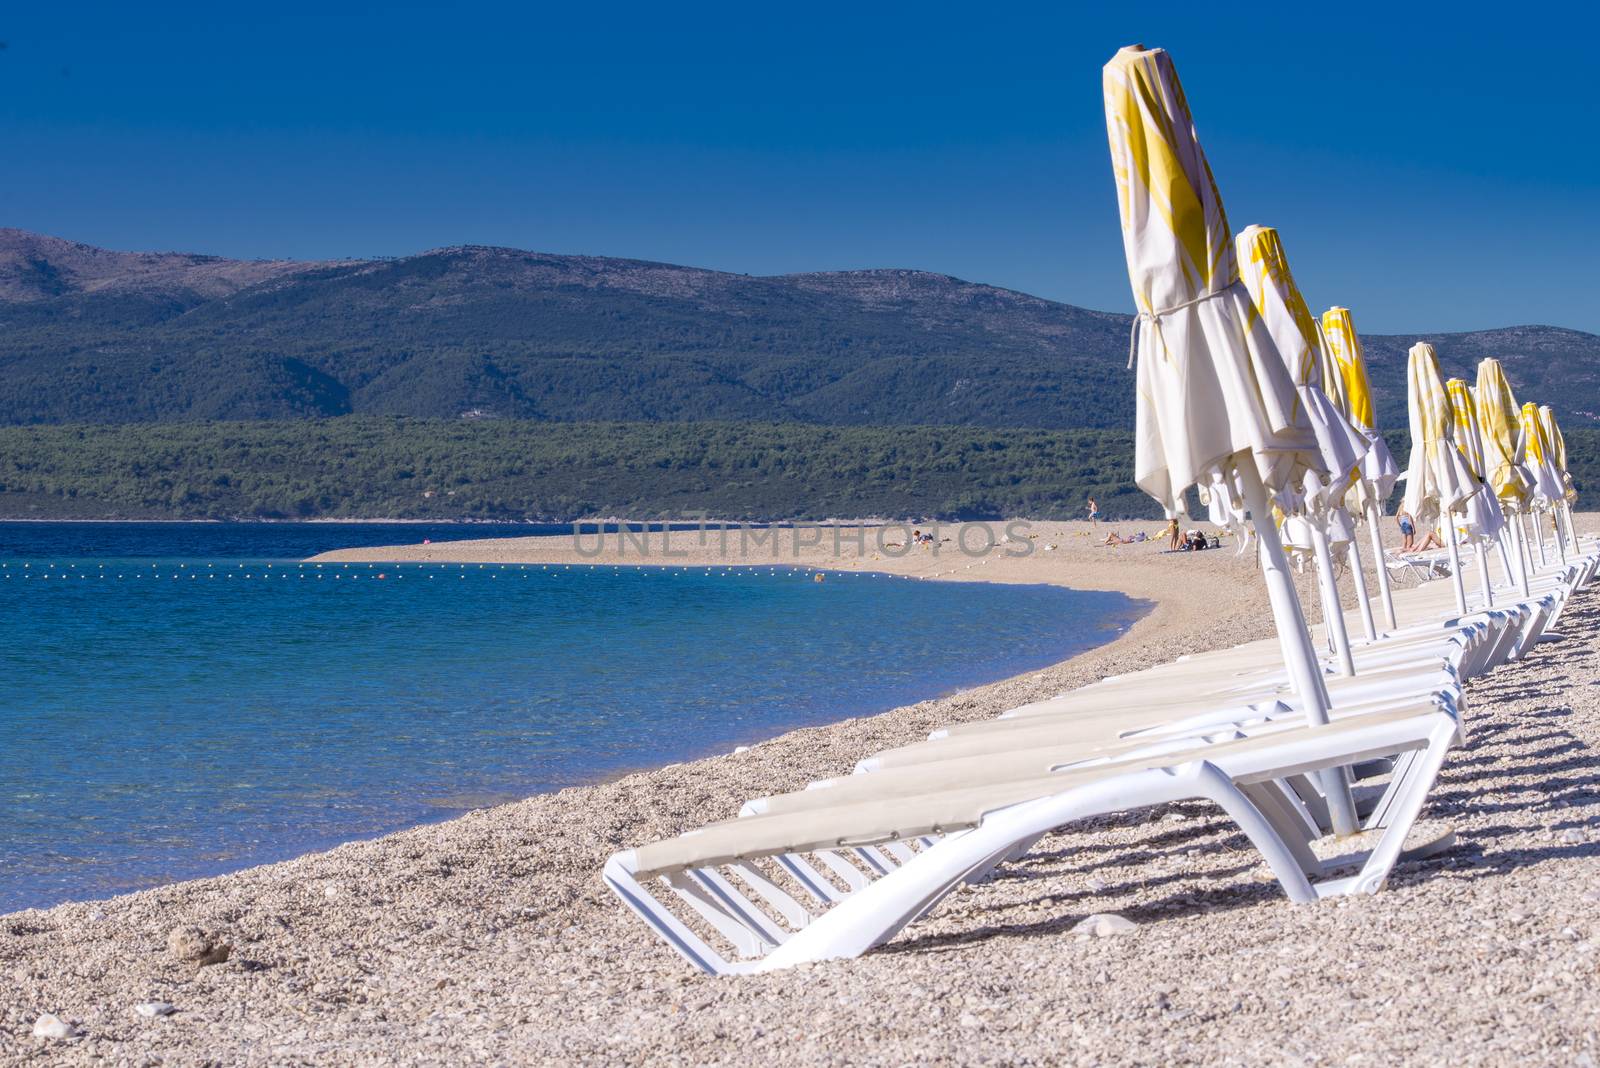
449	469
502	469
93	336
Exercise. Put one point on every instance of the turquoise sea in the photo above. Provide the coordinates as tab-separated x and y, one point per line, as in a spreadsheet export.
186	699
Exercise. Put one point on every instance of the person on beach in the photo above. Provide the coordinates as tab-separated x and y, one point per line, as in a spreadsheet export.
1174	541
1408	528
1094	513
1432	541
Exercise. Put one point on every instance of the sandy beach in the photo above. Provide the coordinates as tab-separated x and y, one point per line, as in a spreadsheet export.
490	938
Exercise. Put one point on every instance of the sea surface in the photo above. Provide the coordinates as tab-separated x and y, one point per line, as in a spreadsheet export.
186	699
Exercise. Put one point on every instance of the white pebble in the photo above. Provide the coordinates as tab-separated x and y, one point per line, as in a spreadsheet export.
1103	925
49	1025
152	1009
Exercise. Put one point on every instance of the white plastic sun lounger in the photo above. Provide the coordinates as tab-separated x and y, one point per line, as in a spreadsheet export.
793	885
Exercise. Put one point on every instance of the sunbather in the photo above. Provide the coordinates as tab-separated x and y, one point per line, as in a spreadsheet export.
1408	528
1432	541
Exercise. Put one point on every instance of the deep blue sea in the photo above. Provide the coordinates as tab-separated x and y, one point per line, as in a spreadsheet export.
186	699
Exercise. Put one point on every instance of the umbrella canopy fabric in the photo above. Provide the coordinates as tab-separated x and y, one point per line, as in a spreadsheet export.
1547	482
1498	417
1558	448
1264	269
1464	412
1484	519
1338	329
1344	346
1213	391
1437	479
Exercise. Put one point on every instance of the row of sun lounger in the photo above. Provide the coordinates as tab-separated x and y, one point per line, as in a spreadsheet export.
842	866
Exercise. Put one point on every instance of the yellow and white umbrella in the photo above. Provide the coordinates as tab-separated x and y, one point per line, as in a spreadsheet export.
1264	269
1547	484
1484	523
1276	300
1214	395
1379	472
1212	391
1549	490
1558	455
1558	450
1438	483
1499	419
1483	511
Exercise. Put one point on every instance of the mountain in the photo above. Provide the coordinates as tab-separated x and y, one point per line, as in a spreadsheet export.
89	335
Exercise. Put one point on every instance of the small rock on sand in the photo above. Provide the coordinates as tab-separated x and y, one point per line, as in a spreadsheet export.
190	943
1103	925
49	1025
152	1009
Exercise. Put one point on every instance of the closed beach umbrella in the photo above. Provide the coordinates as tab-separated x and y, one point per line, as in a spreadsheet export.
1498	433
1438	483
1549	489
1558	455
1558	449
1214	395
1264	269
1484	522
1212	391
1547	483
1483	511
1379	472
1498	418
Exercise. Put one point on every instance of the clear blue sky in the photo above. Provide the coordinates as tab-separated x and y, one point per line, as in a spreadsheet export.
1434	171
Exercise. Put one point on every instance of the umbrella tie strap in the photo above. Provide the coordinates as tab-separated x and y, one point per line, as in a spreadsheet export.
1154	319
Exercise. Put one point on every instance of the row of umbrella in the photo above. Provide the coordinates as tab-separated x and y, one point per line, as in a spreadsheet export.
1267	409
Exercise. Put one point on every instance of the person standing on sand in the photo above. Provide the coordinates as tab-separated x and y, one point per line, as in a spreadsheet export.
1094	514
1408	530
1173	540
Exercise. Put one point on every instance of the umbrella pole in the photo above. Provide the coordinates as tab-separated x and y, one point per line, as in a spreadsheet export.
1359	577
1505	539
1572	534
1295	639
1522	553
1332	606
1538	537
1384	589
1483	574
1455	563
1556	532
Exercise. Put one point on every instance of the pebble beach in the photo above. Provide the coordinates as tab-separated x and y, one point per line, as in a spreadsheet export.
490	938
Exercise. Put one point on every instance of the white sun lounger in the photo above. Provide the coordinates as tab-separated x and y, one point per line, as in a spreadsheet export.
777	889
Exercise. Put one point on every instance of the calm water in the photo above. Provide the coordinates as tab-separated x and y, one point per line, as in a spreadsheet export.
185	699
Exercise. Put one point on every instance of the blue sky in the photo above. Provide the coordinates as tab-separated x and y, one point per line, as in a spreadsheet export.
1432	170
